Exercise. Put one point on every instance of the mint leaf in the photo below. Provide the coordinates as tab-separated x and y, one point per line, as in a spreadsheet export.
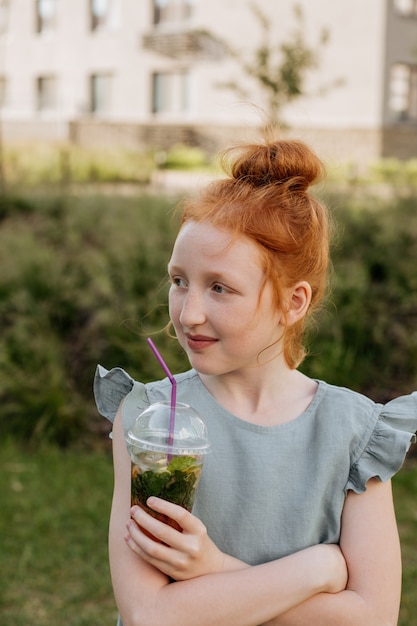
181	463
176	484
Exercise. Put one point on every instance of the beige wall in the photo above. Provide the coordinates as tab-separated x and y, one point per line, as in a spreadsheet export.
335	146
354	55
365	38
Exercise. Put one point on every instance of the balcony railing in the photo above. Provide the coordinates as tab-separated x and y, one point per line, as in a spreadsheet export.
195	44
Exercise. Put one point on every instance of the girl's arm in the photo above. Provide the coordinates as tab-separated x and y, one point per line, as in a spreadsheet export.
247	596
370	545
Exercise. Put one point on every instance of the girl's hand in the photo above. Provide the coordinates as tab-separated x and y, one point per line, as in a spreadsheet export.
180	555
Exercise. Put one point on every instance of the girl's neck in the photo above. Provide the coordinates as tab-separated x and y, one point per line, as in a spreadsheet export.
268	397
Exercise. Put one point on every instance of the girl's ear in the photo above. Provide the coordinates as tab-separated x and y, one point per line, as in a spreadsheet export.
299	298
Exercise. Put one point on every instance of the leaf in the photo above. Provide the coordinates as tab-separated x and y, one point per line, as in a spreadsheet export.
181	463
177	484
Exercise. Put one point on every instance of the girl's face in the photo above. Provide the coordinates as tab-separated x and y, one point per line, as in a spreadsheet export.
222	316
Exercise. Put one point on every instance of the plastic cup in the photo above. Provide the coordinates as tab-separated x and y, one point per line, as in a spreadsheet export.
167	463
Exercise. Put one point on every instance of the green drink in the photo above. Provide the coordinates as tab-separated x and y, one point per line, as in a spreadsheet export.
166	461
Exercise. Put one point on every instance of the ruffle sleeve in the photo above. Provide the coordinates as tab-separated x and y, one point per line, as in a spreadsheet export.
385	451
110	387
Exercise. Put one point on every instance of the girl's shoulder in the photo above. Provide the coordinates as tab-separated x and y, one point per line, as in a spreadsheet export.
111	387
380	434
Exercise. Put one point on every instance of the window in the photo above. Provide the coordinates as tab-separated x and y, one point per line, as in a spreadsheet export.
4	15
99	14
170	92
172	10
45	15
3	91
403	91
46	93
100	93
406	7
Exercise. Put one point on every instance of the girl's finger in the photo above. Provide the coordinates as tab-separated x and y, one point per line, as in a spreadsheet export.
146	529
155	551
185	520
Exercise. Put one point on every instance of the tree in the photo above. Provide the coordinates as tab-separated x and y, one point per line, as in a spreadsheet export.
279	70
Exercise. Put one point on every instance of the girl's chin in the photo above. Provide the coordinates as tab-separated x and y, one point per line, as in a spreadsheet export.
204	370
203	365
207	367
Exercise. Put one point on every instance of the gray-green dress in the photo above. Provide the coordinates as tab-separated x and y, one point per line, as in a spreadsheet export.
268	491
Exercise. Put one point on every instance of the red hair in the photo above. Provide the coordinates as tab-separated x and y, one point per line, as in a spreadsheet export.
265	197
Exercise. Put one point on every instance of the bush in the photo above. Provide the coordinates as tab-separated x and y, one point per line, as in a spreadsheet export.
367	335
182	157
41	164
82	282
396	172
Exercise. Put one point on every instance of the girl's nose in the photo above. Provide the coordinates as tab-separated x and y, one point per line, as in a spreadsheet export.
192	310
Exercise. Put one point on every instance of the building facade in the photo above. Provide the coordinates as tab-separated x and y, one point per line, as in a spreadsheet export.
153	72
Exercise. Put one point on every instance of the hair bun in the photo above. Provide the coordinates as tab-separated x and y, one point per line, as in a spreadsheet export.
291	162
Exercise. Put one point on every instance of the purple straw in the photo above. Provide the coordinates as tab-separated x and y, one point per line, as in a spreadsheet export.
173	392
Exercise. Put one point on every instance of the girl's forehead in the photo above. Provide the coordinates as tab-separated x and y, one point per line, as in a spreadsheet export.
210	239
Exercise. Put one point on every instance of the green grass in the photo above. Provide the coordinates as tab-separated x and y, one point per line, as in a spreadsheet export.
405	496
53	524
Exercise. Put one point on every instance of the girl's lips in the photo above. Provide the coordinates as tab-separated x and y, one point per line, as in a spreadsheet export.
199	342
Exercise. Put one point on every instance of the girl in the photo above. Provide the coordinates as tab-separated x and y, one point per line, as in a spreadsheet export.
293	522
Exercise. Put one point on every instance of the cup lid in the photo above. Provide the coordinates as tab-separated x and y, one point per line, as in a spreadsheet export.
151	430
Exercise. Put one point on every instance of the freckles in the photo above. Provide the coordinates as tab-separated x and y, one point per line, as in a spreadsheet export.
173	307
174	311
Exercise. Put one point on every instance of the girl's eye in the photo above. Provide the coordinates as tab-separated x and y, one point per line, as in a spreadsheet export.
178	282
219	288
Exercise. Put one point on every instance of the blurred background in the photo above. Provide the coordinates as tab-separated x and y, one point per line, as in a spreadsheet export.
111	111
